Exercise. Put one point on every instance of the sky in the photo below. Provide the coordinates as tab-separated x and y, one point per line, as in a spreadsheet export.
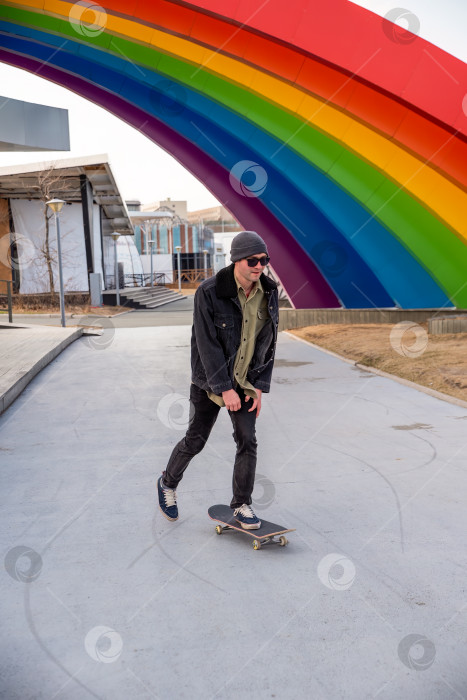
143	170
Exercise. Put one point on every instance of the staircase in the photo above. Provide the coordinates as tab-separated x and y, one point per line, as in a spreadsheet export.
148	297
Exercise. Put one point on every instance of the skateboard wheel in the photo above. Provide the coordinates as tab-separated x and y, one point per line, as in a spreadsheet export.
218	529
256	544
283	541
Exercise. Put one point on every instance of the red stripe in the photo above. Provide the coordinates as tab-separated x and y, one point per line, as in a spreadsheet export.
393	117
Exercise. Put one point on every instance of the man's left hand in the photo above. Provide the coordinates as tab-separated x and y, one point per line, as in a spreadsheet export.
256	402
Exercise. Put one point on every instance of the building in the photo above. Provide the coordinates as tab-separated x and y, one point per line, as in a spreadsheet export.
178	207
217	218
158	234
93	212
26	126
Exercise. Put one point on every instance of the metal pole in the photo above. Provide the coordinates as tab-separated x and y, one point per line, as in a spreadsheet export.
10	302
179	272
151	243
117	281
60	271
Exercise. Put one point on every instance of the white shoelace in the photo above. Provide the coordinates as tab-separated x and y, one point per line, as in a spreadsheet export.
170	497
245	510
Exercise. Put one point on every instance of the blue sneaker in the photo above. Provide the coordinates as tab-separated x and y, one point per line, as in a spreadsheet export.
247	519
167	500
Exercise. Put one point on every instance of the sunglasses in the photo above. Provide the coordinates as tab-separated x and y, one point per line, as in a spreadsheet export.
252	262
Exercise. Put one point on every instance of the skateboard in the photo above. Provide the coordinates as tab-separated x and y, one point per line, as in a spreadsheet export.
266	534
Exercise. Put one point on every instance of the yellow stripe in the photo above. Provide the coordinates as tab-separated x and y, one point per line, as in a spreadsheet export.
446	200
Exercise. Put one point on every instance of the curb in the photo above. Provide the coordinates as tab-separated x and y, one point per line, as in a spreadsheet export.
18	387
72	315
120	313
387	375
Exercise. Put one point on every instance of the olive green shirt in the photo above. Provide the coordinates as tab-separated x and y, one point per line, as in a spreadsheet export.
255	315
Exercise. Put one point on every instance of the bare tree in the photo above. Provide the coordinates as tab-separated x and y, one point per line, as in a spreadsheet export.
48	183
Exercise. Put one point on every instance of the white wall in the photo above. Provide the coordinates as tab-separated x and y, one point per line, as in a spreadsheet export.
29	228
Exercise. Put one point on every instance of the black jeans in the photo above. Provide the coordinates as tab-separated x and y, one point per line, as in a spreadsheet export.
203	415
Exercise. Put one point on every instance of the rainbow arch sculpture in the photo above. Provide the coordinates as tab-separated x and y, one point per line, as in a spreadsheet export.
338	136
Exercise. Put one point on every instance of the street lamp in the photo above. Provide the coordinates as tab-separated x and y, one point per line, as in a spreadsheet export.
178	249
205	252
56	206
115	237
151	241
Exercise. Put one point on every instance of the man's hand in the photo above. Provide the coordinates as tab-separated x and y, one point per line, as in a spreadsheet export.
256	402
231	400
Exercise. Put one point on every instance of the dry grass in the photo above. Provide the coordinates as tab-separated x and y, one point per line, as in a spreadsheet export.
441	365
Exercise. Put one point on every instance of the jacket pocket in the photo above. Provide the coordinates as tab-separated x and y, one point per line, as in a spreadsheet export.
223	322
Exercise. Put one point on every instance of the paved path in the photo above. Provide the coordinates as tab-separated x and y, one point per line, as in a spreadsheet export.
24	351
367	601
178	313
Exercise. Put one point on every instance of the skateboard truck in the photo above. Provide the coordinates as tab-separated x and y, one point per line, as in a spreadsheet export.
268	533
257	543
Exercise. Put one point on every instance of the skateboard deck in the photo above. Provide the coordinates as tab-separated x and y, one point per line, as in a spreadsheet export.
265	534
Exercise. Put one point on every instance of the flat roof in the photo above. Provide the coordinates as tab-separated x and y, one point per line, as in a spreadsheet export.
22	182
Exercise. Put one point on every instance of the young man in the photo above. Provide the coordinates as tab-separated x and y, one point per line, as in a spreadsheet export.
233	343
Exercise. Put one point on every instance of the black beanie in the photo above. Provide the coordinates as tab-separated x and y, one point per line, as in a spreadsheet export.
247	243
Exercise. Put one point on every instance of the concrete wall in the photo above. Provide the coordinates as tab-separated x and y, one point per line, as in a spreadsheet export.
296	318
439	326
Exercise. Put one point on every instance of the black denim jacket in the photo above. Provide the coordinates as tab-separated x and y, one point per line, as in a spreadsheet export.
216	334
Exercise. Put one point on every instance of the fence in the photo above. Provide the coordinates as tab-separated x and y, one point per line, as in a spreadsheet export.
189	276
297	318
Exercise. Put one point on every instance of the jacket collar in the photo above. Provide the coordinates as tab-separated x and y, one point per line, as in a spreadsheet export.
227	288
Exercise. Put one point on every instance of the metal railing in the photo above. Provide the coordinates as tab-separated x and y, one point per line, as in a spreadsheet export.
10	299
192	275
144	279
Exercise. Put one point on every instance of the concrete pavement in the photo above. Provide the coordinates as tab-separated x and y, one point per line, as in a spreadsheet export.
104	598
24	351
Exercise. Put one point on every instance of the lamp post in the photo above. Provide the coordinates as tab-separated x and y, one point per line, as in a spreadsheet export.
205	252
151	242
115	237
178	249
56	206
